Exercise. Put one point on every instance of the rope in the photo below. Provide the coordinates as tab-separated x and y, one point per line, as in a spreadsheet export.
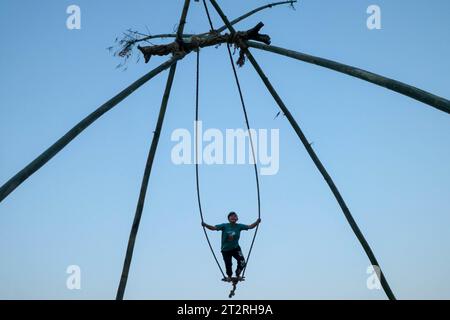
244	109
196	160
251	145
207	14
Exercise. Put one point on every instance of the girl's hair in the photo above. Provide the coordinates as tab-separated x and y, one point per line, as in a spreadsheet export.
231	213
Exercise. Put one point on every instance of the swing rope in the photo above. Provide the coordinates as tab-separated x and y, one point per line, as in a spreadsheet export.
255	165
207	14
196	161
251	146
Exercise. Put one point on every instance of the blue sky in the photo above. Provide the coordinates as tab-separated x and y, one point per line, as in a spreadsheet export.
388	154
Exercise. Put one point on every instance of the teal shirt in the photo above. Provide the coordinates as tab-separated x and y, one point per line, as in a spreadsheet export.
230	234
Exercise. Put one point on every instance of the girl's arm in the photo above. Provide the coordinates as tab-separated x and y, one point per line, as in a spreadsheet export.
207	226
253	225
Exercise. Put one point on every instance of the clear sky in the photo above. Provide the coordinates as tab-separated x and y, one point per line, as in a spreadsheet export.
388	154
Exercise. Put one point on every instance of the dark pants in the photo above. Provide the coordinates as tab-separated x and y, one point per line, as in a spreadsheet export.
227	257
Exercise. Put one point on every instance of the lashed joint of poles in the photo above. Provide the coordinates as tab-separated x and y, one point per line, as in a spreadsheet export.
213	38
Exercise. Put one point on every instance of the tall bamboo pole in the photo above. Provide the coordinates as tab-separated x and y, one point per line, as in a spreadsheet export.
149	165
182	22
144	185
313	156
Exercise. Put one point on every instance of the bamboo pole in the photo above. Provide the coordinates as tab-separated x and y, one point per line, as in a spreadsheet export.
391	84
182	22
148	166
48	154
144	185
313	156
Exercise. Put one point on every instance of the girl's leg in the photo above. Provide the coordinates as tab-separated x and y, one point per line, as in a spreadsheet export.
227	255
237	254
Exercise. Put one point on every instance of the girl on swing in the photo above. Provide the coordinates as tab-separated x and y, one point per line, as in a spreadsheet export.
230	242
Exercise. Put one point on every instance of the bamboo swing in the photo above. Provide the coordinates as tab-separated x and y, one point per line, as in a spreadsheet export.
182	46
